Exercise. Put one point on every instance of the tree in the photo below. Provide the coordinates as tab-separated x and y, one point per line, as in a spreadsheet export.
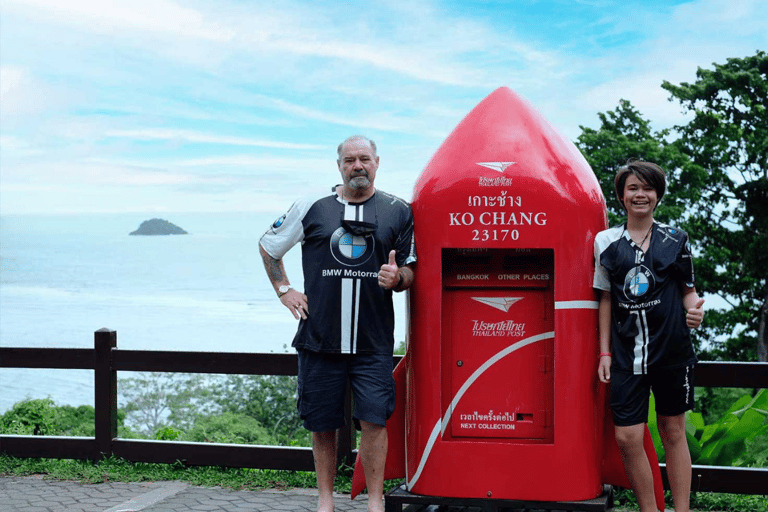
624	135
727	140
270	399
154	400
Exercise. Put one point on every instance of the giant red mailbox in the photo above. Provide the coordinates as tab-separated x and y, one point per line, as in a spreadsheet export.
502	393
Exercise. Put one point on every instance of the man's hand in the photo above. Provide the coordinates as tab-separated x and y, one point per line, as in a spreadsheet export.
389	275
695	315
296	302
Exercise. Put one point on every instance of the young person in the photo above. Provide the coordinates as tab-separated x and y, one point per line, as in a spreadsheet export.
648	304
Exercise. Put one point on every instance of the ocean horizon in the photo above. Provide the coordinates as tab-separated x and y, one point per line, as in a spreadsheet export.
62	277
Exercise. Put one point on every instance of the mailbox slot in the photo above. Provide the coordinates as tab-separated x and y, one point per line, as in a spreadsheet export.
494	302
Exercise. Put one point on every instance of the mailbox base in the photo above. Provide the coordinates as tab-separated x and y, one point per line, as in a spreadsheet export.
396	498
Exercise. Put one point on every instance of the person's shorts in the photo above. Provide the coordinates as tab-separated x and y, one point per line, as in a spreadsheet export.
322	383
630	394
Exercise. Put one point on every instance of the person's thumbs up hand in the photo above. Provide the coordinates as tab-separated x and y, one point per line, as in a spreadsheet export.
695	315
389	276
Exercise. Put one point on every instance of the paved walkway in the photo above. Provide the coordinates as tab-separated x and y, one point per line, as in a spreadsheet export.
33	494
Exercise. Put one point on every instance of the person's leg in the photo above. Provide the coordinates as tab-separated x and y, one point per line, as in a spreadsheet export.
636	465
672	431
674	392
324	452
322	381
374	395
373	455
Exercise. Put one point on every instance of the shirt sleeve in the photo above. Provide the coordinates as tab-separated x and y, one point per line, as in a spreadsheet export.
601	280
405	245
286	231
684	263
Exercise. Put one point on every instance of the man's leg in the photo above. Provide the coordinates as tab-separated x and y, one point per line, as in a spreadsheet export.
636	465
672	431
373	455
324	452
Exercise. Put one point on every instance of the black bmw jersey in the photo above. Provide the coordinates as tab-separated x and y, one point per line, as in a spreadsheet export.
343	247
648	329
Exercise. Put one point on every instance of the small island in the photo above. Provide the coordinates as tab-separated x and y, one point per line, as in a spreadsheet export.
158	227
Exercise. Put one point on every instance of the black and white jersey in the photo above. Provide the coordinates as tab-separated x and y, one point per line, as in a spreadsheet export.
344	245
648	329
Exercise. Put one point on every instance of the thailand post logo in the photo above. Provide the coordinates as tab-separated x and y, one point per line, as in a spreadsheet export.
637	282
351	250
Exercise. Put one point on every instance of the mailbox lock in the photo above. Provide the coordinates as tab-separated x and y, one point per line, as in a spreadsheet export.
459	363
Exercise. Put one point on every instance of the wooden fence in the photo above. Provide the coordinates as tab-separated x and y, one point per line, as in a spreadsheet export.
105	359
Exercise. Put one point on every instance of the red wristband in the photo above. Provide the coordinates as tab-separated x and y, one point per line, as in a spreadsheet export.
605	354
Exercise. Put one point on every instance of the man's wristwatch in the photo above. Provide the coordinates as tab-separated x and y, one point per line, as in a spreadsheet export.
283	290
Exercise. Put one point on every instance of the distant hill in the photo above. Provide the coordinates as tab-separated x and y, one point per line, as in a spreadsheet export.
158	227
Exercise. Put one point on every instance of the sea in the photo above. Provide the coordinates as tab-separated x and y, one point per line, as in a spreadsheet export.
63	277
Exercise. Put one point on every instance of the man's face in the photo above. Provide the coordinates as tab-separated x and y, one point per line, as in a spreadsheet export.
358	164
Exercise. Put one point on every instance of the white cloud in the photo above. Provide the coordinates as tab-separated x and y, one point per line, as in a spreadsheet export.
197	137
157	16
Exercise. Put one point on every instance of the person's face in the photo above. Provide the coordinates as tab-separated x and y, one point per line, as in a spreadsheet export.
639	197
358	164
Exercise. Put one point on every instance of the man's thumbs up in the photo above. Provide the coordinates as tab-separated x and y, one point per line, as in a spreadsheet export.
695	314
389	275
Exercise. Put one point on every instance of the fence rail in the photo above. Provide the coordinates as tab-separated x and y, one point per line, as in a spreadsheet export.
106	360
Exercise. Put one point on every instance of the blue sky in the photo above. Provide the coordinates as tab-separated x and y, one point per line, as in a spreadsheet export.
168	106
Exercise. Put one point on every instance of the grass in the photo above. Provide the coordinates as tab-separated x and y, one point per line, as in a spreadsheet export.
114	469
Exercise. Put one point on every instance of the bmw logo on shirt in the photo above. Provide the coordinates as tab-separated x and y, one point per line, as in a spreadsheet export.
351	250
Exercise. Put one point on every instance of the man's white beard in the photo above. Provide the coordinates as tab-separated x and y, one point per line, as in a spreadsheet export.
359	182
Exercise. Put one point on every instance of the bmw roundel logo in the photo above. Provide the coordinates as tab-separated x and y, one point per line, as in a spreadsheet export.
278	222
351	250
637	282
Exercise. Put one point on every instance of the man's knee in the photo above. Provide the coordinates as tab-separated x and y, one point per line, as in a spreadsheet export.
631	436
371	428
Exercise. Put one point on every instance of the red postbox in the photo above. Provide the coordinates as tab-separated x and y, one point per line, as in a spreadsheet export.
498	394
502	393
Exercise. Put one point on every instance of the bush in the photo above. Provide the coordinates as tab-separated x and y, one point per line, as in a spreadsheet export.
228	428
30	417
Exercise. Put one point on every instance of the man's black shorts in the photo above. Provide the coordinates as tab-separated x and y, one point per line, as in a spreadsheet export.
630	394
322	382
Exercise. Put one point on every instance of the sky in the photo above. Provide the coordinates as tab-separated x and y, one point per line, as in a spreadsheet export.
238	105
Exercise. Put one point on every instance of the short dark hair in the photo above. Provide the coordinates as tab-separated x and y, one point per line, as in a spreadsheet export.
647	172
353	137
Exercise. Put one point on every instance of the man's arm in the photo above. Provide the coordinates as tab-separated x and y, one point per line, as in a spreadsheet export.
294	300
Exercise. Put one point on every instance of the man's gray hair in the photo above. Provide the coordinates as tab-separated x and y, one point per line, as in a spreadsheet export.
373	144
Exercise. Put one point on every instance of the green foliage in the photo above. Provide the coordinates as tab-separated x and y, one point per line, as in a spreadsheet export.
737	438
44	417
725	443
727	140
717	170
30	417
270	400
115	469
167	434
152	401
625	135
228	428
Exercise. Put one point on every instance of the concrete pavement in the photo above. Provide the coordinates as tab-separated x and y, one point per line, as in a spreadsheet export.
33	494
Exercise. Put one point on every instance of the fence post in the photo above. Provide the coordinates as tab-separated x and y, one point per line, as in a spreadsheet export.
105	388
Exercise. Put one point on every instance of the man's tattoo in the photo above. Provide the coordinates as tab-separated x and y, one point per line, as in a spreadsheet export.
273	268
